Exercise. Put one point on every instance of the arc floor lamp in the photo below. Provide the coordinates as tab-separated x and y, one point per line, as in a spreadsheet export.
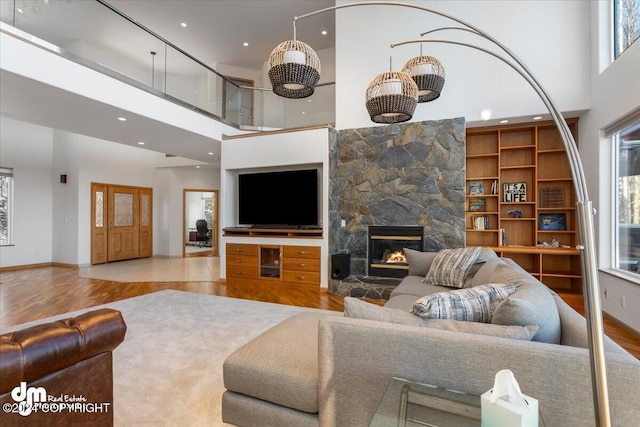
294	70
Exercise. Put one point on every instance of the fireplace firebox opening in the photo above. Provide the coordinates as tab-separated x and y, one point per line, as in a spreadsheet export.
386	256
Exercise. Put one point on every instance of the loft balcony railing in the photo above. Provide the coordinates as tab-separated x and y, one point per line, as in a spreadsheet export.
100	37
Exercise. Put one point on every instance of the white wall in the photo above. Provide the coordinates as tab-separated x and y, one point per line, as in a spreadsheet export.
308	148
65	199
615	93
62	212
171	183
28	150
552	37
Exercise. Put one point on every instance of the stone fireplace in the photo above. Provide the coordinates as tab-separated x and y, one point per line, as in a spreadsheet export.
409	174
386	256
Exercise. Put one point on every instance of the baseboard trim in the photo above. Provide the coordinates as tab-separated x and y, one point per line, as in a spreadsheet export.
44	264
622	325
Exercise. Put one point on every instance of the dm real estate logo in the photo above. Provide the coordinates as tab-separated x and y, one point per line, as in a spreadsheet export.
27	400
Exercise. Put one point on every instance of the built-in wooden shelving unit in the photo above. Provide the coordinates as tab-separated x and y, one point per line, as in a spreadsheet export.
520	227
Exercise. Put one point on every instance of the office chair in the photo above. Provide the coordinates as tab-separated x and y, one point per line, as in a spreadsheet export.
202	232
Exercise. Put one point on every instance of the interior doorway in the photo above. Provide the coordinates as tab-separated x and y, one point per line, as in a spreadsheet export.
200	222
121	226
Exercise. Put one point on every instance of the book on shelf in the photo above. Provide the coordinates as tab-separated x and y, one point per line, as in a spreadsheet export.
480	222
477	205
503	237
494	187
476	188
514	192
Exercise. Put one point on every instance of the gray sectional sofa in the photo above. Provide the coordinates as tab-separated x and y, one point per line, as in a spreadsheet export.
332	370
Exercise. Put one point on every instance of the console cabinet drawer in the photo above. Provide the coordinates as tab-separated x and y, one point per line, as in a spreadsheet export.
307	252
306	277
301	264
242	261
241	249
242	272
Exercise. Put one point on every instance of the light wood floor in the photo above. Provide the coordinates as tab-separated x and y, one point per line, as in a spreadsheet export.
39	292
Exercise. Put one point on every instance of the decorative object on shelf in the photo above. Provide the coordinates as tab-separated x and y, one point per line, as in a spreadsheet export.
584	207
477	205
515	213
476	187
294	69
552	197
555	243
428	73
391	97
552	221
514	192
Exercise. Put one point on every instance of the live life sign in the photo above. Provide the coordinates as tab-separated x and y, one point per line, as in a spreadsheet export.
515	192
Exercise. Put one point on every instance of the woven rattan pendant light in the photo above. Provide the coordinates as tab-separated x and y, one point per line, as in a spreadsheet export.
428	73
392	97
294	69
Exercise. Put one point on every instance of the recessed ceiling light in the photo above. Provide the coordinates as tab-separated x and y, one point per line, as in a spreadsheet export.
309	100
140	143
19	10
197	167
245	44
324	32
122	119
211	154
304	112
486	114
183	24
504	121
537	118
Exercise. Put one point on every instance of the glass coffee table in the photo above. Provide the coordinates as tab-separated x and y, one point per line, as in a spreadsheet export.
410	404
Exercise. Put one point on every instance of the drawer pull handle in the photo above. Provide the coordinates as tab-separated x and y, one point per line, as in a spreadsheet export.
241	272
301	265
301	277
302	252
240	261
239	250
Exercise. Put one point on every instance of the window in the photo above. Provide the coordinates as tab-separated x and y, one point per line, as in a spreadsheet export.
627	151
6	205
626	28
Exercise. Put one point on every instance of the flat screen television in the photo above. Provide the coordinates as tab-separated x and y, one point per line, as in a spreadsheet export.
272	199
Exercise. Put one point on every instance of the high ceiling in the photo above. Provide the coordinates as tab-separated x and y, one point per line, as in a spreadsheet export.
215	33
217	29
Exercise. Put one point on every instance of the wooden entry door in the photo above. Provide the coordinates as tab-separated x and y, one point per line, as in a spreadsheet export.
122	223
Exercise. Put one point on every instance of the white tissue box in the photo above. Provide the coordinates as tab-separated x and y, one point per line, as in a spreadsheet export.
506	414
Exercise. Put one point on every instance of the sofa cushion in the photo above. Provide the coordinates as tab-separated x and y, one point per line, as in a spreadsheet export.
402	302
472	304
356	308
280	365
450	266
419	262
415	286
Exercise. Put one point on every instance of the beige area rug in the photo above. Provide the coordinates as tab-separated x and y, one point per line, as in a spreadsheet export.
168	370
197	269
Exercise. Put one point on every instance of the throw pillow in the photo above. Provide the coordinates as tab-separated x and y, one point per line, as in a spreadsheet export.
359	309
471	304
419	262
450	267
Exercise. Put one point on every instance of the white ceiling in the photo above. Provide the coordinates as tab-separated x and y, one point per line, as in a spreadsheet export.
214	34
216	29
